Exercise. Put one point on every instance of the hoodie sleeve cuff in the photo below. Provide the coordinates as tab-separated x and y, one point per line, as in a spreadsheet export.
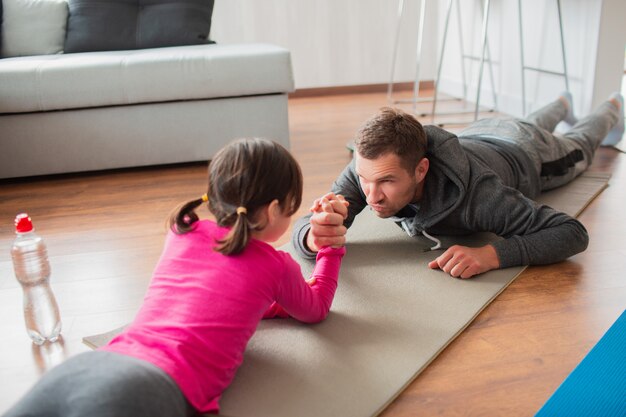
509	253
299	241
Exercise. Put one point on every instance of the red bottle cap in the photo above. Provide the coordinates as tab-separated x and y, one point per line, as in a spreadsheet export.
23	223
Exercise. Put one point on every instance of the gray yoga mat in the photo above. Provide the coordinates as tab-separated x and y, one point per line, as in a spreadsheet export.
391	317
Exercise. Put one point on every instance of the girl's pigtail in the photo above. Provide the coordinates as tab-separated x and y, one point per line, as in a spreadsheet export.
184	216
237	239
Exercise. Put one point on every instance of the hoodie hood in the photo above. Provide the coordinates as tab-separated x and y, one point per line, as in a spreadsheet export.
447	179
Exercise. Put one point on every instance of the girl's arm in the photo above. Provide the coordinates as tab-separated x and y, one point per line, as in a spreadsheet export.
310	301
304	302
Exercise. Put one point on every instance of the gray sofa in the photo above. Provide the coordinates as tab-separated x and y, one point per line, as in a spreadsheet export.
99	110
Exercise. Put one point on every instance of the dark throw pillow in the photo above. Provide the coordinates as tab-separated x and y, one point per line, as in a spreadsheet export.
96	25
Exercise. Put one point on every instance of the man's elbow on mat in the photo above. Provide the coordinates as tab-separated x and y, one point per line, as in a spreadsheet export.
584	241
579	241
569	245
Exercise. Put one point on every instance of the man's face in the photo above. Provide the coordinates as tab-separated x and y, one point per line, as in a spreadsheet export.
387	185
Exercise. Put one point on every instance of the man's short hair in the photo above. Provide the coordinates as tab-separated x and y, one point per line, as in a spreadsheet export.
392	130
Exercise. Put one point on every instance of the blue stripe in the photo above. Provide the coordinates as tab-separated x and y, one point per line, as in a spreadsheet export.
597	387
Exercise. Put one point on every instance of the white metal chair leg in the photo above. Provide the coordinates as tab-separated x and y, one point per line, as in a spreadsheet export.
439	65
459	23
558	5
418	53
395	51
521	44
563	74
482	58
485	49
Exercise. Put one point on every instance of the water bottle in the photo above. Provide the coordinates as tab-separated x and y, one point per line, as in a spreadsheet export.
32	269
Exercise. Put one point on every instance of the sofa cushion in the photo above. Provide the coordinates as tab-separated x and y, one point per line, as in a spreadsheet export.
94	79
96	25
33	27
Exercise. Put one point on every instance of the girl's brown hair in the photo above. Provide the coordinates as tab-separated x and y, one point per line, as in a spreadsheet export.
248	173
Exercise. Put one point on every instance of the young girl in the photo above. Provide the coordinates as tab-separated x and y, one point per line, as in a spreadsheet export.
213	284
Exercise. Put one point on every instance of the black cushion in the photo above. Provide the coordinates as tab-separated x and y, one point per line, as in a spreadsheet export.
96	25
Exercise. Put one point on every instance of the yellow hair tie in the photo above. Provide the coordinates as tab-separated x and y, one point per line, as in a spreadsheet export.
242	210
205	197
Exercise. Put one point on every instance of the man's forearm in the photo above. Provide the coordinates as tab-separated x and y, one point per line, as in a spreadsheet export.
543	247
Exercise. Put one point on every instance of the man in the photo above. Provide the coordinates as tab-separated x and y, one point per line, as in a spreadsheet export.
431	182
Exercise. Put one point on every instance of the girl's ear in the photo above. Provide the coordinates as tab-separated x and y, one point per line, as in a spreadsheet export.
266	215
272	211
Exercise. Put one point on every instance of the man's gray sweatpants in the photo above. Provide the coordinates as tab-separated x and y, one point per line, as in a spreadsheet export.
103	384
558	158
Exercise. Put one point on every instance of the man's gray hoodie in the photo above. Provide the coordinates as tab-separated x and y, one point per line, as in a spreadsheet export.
471	186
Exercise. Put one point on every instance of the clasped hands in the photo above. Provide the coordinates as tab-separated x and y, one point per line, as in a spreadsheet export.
327	229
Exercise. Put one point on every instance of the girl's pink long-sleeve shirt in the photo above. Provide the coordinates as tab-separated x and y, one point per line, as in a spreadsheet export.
202	307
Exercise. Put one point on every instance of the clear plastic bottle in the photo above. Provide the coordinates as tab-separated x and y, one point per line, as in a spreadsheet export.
32	269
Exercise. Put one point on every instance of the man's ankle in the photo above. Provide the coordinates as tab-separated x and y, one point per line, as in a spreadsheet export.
566	99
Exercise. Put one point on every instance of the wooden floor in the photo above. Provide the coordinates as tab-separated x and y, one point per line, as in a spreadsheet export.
105	231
